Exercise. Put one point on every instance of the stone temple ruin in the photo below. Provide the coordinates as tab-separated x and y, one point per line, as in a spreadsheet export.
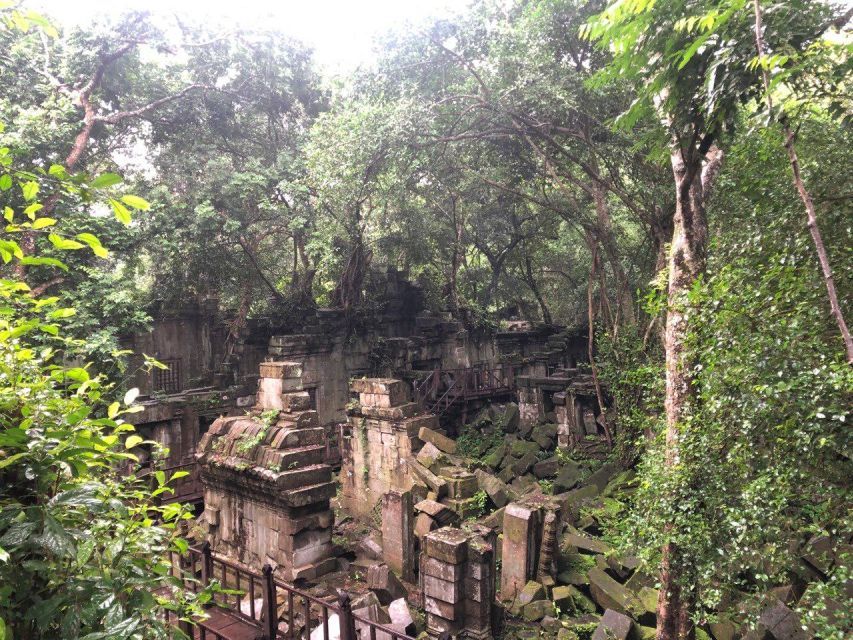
449	482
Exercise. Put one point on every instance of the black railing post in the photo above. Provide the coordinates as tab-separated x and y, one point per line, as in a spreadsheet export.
270	604
347	622
206	563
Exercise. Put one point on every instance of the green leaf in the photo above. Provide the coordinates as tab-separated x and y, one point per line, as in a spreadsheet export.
63	244
121	212
52	262
5	462
136	202
133	441
5	182
113	409
30	211
8	214
105	180
95	244
30	189
41	223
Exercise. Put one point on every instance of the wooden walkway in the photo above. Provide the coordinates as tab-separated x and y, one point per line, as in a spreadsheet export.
442	389
223	625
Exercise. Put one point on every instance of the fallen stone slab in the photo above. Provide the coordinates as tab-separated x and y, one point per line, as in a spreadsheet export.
568	476
442	442
495	488
442	514
430	456
609	594
783	623
537	610
613	626
493	460
584	543
401	617
436	484
546	468
370	548
387	587
423	525
603	475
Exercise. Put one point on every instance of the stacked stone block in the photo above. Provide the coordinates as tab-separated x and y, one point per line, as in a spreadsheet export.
523	534
378	442
457	574
266	487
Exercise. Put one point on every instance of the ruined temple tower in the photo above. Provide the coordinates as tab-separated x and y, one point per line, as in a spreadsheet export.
266	487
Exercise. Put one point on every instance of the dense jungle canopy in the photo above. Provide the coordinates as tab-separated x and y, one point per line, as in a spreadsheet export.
673	175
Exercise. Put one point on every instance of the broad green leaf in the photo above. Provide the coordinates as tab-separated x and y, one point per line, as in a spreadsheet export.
105	180
30	189
5	182
41	223
113	409
52	262
64	244
121	212
133	441
136	202
95	244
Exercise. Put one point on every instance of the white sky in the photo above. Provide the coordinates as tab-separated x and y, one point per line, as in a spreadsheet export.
340	32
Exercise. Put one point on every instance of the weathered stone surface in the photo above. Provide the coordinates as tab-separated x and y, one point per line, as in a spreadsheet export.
447	544
609	594
435	483
429	455
584	543
495	457
499	493
281	370
398	538
442	442
437	511
532	591
568	475
370	548
400	616
511	418
546	468
423	525
382	581
495	520
783	623
521	530
537	610
520	448
613	626
461	484
603	475
523	464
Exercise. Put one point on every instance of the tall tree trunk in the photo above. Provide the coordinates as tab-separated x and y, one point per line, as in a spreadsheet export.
805	196
592	242
686	264
608	243
456	262
531	282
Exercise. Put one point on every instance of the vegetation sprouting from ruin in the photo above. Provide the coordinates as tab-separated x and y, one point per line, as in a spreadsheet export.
666	181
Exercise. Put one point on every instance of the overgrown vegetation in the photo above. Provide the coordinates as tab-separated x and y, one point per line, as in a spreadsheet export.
668	175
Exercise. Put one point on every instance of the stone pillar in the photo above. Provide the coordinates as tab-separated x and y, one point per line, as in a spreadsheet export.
266	488
380	439
458	580
530	406
519	554
398	538
528	544
564	426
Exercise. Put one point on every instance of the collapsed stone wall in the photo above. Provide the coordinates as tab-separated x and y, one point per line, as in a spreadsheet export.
378	443
266	487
